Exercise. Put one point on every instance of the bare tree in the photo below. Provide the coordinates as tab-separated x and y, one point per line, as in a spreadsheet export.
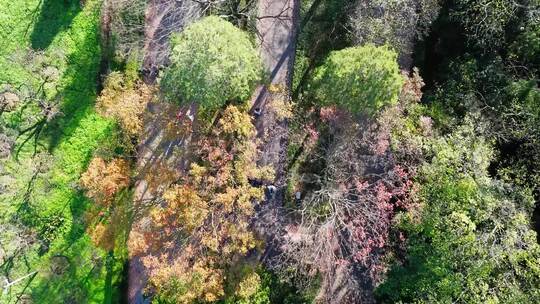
6	144
15	241
122	26
8	101
343	226
163	18
341	232
35	102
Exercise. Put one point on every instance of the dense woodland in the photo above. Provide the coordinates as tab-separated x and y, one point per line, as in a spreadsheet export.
270	151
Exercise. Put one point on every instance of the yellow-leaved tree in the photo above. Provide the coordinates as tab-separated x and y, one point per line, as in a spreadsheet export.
124	101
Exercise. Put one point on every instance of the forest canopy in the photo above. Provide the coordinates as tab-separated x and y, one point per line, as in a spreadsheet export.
270	151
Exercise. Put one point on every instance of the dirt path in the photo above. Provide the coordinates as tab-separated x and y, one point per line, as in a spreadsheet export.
159	154
277	26
277	30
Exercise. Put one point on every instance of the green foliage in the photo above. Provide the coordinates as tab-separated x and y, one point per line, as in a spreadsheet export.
213	62
132	68
473	242
470	85
503	101
524	107
485	20
526	48
270	290
393	22
315	41
360	79
69	37
520	136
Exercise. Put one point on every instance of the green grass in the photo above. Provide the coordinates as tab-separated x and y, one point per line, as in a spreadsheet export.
56	207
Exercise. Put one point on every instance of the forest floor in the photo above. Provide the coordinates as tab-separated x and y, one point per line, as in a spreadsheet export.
47	201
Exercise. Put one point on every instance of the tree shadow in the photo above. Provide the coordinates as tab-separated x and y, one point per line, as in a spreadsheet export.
80	91
55	16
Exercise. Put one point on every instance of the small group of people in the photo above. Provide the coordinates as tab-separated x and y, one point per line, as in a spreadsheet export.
271	190
180	115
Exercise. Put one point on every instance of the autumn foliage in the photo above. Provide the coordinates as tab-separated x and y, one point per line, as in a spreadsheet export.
125	102
344	225
206	214
102	182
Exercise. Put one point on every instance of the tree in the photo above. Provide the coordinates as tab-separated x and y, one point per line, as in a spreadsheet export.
485	21
212	62
122	26
519	134
35	103
397	23
6	144
472	241
344	223
16	239
205	215
359	79
102	181
124	100
526	48
354	180
8	101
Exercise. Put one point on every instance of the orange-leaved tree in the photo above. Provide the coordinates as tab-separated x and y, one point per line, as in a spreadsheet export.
205	215
102	182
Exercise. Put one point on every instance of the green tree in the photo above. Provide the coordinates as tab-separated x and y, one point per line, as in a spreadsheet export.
472	241
520	133
360	79
487	22
484	20
398	23
212	62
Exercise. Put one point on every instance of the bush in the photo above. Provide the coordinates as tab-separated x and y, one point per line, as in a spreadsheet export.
212	62
360	79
